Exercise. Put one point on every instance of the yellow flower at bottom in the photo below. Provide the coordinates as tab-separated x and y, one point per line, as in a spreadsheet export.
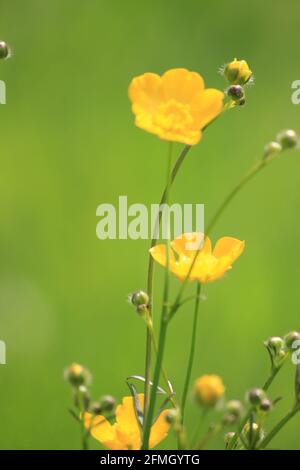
208	389
211	264
125	433
174	106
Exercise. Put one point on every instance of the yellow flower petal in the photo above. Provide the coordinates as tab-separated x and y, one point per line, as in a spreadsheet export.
159	429
229	246
101	430
126	417
182	245
181	85
207	107
159	253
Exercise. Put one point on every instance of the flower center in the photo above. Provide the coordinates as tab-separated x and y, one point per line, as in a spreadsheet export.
173	116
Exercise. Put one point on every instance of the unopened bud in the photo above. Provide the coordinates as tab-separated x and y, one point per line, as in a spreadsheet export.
265	405
107	403
235	92
288	138
238	72
272	148
252	433
4	50
234	407
255	396
139	298
290	339
77	375
173	416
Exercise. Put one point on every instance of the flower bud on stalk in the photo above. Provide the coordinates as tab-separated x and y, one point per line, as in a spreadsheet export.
107	403
290	339
238	72
288	139
228	439
77	375
208	390
272	148
265	405
252	433
4	50
255	396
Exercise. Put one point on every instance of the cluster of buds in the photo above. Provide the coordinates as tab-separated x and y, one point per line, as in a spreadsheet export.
140	300
285	140
258	399
279	348
80	378
238	74
252	433
4	50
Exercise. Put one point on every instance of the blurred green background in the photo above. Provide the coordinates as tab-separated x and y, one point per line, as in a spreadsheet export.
68	144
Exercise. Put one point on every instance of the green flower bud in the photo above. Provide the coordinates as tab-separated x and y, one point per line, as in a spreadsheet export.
142	310
265	405
275	343
288	139
255	396
107	403
290	338
229	419
173	416
238	72
77	375
272	148
95	408
4	50
236	92
139	298
234	407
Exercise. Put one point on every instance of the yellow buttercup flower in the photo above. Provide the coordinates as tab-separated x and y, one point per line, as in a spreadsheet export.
125	433
211	264
174	106
208	390
238	72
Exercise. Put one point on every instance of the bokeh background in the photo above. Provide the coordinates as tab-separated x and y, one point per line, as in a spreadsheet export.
68	144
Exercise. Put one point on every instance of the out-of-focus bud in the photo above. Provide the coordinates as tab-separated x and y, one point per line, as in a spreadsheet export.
142	310
238	72
272	148
236	92
228	439
107	403
82	398
265	405
234	407
229	419
77	375
173	417
4	50
288	139
290	338
139	298
95	408
208	390
255	396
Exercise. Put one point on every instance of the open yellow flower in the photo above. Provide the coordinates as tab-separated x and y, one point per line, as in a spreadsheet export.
174	106
125	433
211	264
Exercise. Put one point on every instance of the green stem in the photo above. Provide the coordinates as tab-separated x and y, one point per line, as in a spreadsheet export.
164	320
192	352
175	170
279	426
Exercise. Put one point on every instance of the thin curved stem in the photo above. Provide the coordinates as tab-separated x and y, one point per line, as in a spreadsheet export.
192	352
175	170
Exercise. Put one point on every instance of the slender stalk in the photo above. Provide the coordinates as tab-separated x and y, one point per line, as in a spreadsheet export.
279	426
175	170
192	352
164	319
